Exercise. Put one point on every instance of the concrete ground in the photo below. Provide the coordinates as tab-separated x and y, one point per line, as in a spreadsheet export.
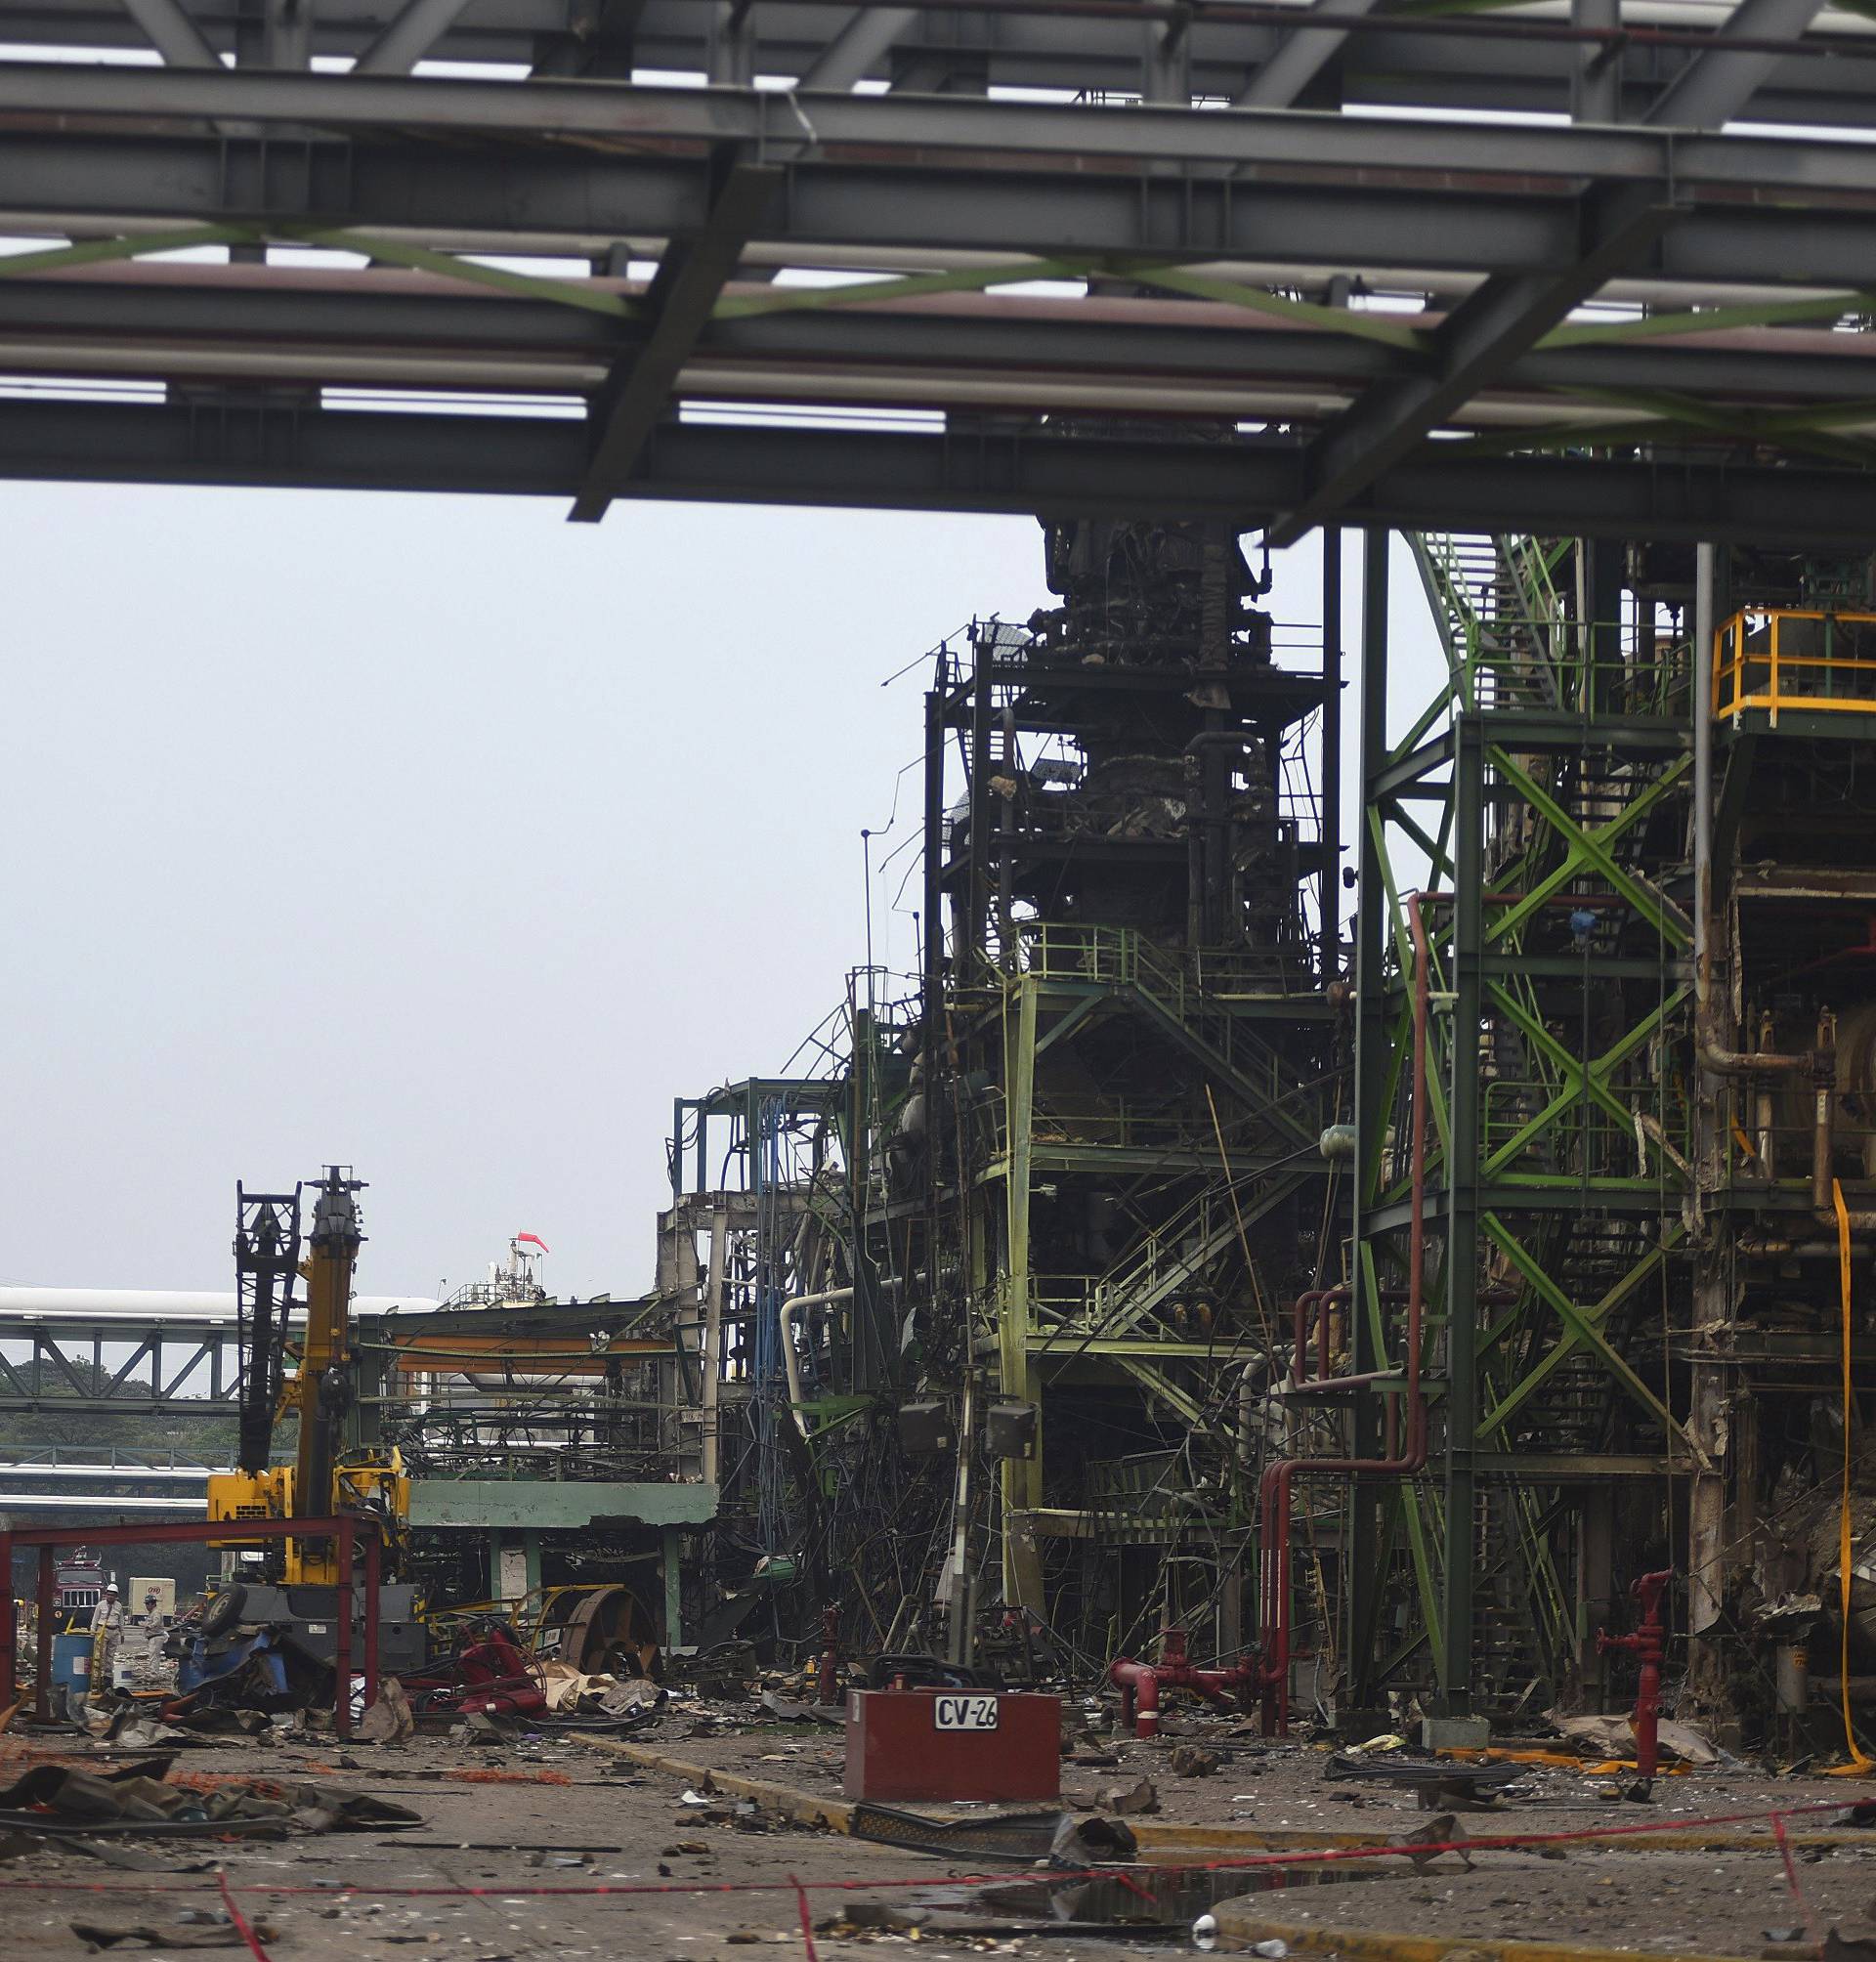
573	1816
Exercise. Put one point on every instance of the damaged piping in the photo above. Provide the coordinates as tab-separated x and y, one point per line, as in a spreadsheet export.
1820	1062
790	1361
1399	1463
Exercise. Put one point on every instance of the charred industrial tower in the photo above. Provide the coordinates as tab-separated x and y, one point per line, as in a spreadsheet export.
1063	1194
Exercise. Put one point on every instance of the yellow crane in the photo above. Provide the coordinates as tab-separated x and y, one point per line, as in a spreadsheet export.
324	1478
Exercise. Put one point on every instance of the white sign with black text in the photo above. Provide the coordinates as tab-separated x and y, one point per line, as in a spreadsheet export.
963	1713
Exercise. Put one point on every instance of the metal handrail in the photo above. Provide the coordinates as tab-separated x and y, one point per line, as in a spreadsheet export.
1753	662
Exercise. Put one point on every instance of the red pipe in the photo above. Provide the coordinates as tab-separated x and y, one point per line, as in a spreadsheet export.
827	1680
1140	1683
1274	1492
1647	1644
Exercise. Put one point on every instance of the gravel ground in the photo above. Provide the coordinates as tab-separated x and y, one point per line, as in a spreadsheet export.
560	1803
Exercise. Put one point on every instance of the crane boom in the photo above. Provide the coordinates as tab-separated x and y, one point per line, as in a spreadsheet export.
267	1261
325	1478
321	1389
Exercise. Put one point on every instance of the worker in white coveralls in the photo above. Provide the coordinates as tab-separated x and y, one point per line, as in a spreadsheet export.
107	1632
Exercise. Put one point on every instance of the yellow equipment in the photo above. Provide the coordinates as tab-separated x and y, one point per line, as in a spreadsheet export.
324	1479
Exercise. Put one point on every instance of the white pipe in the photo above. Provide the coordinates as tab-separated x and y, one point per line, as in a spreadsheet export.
73	1502
160	1303
789	1360
888	387
155	360
808	385
713	1346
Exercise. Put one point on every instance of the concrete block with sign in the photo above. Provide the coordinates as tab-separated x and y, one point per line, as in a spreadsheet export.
1000	1746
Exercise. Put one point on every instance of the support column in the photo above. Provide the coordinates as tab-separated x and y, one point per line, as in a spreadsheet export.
1595	74
1022	1477
342	1637
1713	1295
671	1561
1361	1579
1595	1589
1330	925
732	43
712	1389
512	1568
1166	61
871	1348
1461	1261
972	941
374	1581
42	1640
10	1633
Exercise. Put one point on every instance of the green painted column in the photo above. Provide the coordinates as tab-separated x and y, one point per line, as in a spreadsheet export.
1362	1579
1464	1090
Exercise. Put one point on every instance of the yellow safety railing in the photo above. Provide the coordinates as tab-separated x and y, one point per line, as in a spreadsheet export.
1779	658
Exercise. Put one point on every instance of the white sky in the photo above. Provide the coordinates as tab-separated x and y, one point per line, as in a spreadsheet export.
443	838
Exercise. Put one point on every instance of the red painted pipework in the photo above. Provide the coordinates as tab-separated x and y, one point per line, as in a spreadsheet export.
1273	1572
1647	1644
1273	1568
827	1676
1140	1683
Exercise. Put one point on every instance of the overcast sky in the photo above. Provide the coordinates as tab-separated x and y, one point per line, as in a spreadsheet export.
442	837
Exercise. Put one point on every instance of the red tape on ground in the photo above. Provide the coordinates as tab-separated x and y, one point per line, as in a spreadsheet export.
1302	1857
244	1927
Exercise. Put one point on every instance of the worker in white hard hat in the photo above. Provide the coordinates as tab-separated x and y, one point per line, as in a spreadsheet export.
107	1632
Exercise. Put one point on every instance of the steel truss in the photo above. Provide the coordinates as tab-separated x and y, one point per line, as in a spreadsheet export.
1203	262
1614	1192
1541	789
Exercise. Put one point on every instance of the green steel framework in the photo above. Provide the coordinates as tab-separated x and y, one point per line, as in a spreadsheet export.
1531	801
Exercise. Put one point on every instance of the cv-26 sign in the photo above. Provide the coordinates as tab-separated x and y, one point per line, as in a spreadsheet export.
963	1713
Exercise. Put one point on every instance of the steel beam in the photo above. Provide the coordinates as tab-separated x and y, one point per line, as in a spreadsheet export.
1301	57
785	124
1452	65
1719	84
564	201
219	439
402	319
690	279
1506	317
1595	71
858	47
172	34
417	28
1480	341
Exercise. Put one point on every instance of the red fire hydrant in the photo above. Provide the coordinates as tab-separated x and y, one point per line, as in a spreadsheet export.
1646	1644
1140	1683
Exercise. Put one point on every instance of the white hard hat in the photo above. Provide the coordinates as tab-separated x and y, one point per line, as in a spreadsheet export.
110	1587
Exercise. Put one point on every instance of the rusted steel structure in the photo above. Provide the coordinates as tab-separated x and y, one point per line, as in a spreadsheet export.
993	1316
